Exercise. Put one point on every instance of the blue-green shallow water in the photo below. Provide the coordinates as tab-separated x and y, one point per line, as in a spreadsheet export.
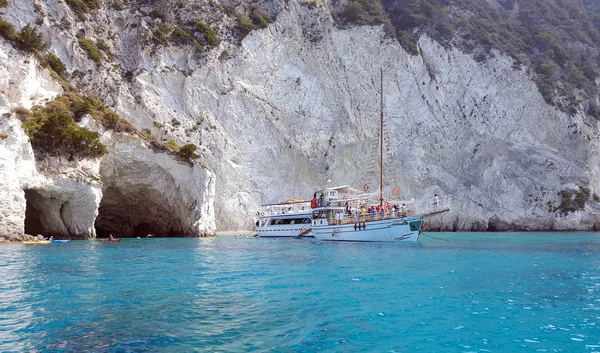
452	292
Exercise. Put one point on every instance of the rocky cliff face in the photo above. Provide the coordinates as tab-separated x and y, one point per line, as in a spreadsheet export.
282	112
61	198
151	192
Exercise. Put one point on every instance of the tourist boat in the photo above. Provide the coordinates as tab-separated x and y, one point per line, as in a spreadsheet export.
338	214
341	215
287	219
110	240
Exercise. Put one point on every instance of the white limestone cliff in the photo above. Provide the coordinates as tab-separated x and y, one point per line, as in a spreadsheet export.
148	191
61	198
283	113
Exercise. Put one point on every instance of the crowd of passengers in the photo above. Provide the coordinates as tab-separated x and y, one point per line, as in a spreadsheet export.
391	210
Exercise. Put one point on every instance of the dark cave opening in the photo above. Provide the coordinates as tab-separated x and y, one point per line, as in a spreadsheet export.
33	214
136	213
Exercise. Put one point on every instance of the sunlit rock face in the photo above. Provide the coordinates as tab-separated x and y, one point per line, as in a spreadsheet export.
146	191
66	208
22	84
17	171
282	113
51	203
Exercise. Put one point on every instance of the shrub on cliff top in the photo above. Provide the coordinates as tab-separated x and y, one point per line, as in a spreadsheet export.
573	201
53	132
244	26
188	150
52	128
563	33
74	106
60	136
92	50
7	30
81	7
3	3
156	13
160	34
180	36
54	62
80	105
118	5
259	17
30	40
209	35
365	12
27	39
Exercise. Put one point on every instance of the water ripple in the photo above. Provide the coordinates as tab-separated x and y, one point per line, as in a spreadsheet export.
458	294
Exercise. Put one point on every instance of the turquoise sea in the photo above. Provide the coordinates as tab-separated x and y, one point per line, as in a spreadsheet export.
451	292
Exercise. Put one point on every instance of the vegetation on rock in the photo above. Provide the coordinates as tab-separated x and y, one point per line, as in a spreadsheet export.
364	12
28	39
118	5
92	50
7	30
187	151
558	41
54	62
161	34
81	7
53	131
259	17
573	200
210	37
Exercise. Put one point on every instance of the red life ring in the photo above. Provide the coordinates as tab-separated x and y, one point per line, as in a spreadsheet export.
395	191
366	187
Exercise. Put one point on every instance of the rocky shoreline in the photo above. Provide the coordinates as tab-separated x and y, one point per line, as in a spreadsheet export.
18	238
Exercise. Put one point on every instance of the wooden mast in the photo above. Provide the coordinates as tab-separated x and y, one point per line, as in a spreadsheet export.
381	148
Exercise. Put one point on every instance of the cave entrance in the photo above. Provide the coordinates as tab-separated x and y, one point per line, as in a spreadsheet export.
34	214
137	211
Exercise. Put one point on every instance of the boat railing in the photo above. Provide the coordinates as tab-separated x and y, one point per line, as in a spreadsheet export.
284	209
420	208
350	218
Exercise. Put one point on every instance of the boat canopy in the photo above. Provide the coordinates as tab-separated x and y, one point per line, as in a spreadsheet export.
342	190
348	190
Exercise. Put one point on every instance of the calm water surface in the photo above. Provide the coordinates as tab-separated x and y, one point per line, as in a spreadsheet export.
451	292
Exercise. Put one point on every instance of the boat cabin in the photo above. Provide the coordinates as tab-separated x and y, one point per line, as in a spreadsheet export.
337	196
286	207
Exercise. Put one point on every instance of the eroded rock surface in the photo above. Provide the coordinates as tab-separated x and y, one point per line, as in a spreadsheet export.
148	191
282	113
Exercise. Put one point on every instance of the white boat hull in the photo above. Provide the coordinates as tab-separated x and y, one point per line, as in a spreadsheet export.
386	230
284	231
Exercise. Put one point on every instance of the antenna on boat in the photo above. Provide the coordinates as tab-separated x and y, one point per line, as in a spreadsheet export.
381	147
